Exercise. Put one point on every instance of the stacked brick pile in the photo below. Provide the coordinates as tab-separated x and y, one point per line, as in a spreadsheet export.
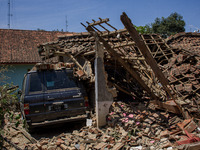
187	41
130	126
183	70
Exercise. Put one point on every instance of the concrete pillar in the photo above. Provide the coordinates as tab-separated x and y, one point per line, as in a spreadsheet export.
103	97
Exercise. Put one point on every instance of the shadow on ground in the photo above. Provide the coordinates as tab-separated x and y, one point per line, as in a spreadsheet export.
55	130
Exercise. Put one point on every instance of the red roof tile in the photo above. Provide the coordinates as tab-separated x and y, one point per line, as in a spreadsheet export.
20	46
188	41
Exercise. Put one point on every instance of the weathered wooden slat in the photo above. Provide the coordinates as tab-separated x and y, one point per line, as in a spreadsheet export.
89	53
160	48
114	32
124	44
133	58
99	22
166	44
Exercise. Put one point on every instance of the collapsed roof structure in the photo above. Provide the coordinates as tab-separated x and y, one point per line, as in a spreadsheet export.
138	65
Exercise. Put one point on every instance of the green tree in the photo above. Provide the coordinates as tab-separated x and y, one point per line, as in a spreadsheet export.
168	26
38	29
8	101
144	29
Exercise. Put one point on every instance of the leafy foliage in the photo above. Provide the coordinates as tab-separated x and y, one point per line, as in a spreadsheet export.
144	29
169	26
8	101
38	29
3	69
164	26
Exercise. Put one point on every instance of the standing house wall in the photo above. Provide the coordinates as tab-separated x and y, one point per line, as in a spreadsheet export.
16	73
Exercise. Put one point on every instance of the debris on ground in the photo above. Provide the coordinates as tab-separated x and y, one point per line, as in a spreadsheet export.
130	126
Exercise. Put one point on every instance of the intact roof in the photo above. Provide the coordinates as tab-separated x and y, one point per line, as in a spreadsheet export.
188	41
20	46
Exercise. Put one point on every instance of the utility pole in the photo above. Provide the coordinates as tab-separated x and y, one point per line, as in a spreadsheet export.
66	23
9	14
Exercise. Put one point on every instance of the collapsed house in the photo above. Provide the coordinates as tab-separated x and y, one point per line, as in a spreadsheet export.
140	68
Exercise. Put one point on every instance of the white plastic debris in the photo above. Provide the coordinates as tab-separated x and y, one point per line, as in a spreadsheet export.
89	122
198	129
136	148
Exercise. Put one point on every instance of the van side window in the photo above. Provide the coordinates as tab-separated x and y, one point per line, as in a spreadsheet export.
35	82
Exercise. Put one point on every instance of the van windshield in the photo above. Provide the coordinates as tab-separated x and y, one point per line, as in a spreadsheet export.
59	79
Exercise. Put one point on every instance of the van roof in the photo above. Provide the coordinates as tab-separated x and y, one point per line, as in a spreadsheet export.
49	66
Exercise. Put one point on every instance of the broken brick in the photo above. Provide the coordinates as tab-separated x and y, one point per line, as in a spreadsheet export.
184	68
43	142
164	133
101	146
118	146
180	58
68	138
179	87
191	126
59	141
80	73
188	87
64	147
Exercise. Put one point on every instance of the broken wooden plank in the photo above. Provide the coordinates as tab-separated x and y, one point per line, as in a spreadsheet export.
133	73
146	53
99	22
124	44
133	58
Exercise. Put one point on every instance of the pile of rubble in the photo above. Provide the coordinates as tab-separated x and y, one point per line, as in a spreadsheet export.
130	126
187	41
14	134
183	70
183	73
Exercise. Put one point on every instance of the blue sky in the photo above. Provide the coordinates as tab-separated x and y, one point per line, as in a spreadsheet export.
51	14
